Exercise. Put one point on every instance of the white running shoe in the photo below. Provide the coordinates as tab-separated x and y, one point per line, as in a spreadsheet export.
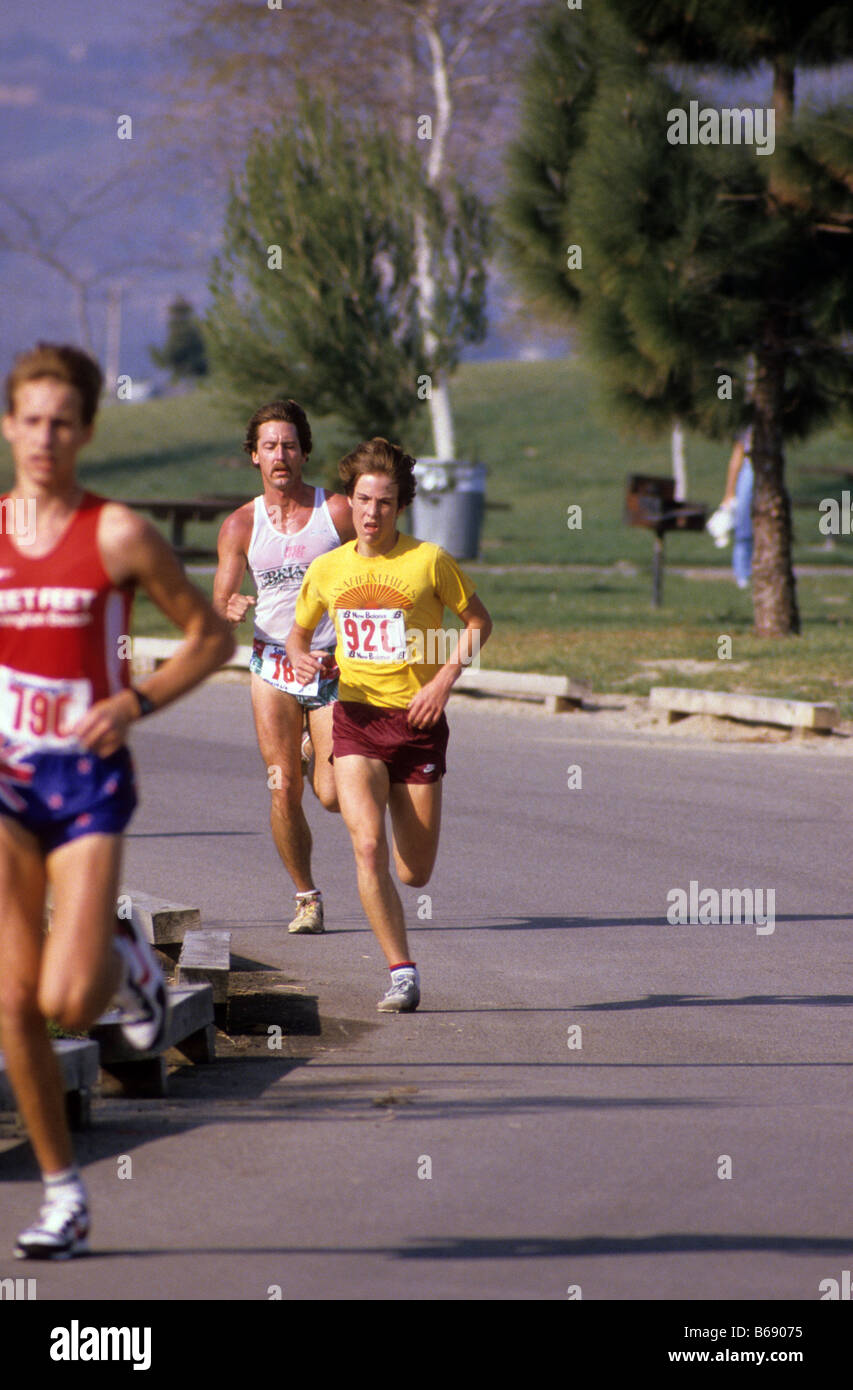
405	993
61	1232
309	917
144	995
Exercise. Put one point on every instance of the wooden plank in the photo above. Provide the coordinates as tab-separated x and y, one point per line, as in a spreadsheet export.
199	1046
160	920
78	1067
558	692
190	1030
145	1078
191	1010
206	959
755	709
147	651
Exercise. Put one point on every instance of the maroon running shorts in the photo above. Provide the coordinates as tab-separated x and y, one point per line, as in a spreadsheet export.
410	755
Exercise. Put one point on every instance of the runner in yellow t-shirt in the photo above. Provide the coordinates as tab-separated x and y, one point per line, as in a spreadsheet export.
386	594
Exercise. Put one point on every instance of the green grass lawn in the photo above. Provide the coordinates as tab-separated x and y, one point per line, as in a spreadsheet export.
602	628
548	445
543	432
540	428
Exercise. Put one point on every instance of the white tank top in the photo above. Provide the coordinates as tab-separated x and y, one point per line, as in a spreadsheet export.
278	564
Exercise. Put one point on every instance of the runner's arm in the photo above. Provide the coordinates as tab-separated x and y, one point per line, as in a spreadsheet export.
305	663
310	606
133	551
231	569
426	707
341	513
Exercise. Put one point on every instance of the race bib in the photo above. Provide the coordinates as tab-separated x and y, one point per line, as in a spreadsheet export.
373	634
41	711
273	664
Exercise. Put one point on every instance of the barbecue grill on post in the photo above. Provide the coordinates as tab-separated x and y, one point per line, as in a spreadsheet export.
650	502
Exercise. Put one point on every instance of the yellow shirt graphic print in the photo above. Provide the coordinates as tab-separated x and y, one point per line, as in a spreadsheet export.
388	614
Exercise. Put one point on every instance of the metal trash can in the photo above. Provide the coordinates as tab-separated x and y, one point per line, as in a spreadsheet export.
448	506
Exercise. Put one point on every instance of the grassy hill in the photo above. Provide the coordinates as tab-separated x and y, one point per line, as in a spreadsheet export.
548	444
539	427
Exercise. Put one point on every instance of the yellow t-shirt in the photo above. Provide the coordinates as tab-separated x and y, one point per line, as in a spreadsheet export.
387	613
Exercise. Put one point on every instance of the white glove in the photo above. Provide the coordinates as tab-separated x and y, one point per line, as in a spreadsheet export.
721	523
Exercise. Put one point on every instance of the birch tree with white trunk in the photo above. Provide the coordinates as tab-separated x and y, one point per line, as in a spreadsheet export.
397	60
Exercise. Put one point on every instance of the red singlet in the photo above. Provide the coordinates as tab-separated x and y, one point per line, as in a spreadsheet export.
61	618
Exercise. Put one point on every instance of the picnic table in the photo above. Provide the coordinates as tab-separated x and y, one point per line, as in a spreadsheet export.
180	510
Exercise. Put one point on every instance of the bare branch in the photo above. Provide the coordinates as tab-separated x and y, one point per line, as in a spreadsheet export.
462	45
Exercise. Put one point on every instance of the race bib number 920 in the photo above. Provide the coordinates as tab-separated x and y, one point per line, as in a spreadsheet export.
373	634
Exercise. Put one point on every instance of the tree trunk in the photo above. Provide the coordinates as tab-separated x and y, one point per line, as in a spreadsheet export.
774	590
113	348
441	416
442	420
783	89
773	585
81	304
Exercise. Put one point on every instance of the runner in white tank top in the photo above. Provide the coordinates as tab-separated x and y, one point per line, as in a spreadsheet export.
275	537
278	564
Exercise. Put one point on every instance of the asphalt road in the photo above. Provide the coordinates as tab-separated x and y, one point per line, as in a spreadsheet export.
552	1167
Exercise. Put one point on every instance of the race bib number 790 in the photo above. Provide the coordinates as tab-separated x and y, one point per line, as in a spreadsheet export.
39	711
373	634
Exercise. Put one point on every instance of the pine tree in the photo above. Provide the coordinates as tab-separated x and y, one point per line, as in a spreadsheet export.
702	256
183	352
618	212
436	73
314	293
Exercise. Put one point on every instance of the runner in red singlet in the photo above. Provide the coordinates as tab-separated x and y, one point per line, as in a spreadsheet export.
69	562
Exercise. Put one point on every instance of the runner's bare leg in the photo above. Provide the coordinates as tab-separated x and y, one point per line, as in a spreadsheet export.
70	977
363	793
320	728
416	822
278	723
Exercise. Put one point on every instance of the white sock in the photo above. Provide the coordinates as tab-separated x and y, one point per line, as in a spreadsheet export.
65	1187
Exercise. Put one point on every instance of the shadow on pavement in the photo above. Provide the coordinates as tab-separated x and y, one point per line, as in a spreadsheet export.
672	1001
526	1247
557	923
